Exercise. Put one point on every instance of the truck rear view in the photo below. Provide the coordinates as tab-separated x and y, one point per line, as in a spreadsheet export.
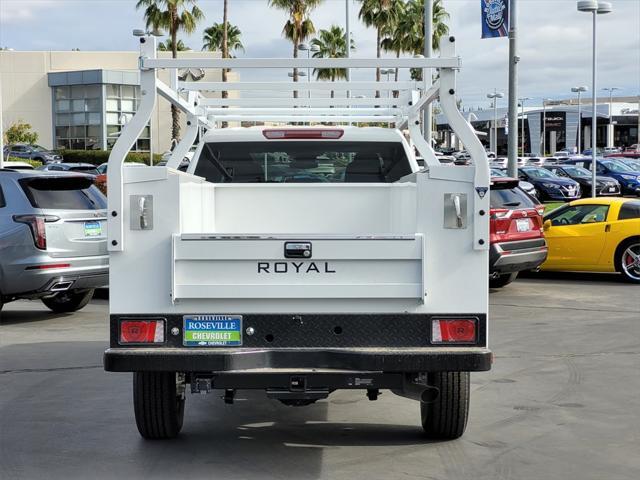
299	260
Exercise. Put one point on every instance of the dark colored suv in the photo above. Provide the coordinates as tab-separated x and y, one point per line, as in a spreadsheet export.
517	241
32	152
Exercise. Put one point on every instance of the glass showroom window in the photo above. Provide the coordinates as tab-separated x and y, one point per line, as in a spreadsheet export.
77	117
122	102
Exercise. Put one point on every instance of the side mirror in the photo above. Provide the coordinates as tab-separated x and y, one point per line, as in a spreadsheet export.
546	225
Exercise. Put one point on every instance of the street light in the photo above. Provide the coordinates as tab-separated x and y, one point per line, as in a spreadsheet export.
544	125
595	8
610	132
579	91
493	140
522	100
307	48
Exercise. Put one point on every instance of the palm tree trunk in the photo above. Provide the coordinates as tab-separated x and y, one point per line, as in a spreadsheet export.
175	114
378	56
225	43
295	70
333	79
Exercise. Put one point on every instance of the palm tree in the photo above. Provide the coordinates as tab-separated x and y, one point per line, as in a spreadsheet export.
213	38
299	26
167	46
175	16
214	41
414	24
396	37
379	14
331	44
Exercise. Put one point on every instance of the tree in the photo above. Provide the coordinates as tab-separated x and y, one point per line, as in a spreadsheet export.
299	26
167	46
414	23
20	132
174	16
379	14
396	36
331	44
214	41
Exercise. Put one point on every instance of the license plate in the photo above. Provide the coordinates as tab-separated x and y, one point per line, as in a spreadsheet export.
611	189
212	331
523	225
92	229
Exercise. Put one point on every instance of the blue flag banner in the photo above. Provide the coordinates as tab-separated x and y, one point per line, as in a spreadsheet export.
495	18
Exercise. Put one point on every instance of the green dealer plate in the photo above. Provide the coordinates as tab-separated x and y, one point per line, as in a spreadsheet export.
212	331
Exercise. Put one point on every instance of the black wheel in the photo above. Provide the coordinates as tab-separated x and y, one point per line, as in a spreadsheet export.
158	402
69	301
627	259
446	417
502	280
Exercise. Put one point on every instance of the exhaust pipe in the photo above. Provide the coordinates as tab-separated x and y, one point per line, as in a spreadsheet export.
417	391
61	286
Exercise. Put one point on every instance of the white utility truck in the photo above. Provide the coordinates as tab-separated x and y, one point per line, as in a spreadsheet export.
301	258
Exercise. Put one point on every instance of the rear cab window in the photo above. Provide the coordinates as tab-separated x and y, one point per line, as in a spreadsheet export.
290	161
63	193
511	198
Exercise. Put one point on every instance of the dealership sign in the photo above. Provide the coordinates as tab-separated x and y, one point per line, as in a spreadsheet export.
495	18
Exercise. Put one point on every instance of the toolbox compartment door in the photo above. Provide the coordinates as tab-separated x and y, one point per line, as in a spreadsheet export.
221	266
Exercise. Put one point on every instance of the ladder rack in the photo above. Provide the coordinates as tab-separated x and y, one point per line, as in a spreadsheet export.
268	104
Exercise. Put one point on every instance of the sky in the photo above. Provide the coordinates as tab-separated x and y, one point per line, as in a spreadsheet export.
554	39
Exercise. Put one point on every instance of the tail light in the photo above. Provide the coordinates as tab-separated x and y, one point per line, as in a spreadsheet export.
36	224
453	330
540	210
142	331
501	220
303	134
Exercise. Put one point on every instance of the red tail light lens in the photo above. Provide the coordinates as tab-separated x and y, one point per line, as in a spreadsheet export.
302	134
36	224
453	330
142	331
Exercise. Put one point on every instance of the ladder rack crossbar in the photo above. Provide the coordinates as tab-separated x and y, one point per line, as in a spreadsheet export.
296	86
289	63
304	102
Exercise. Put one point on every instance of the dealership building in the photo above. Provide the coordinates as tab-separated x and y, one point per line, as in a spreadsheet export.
82	100
555	125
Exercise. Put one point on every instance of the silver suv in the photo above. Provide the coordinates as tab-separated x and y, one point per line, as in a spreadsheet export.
53	242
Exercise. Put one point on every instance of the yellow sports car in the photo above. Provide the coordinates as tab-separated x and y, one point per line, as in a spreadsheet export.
595	235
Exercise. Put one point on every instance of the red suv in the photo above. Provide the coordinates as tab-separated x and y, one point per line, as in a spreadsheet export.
517	240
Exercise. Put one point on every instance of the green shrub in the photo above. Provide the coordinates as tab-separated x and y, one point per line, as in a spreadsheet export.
96	157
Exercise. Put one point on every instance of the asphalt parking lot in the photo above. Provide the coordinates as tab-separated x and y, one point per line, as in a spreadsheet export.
562	402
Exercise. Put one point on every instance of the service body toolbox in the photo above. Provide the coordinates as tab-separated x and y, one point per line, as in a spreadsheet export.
299	259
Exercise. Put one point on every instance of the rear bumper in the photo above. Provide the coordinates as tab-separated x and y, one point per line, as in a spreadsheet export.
356	359
508	257
29	281
357	342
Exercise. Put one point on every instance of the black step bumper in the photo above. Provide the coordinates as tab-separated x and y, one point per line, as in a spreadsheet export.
435	359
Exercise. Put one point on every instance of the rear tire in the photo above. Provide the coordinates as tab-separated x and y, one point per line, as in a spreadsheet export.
69	301
158	404
503	280
446	418
624	261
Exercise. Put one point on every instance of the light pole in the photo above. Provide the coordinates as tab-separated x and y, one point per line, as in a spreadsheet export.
308	49
610	127
493	139
579	91
514	58
522	100
595	8
387	72
544	125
